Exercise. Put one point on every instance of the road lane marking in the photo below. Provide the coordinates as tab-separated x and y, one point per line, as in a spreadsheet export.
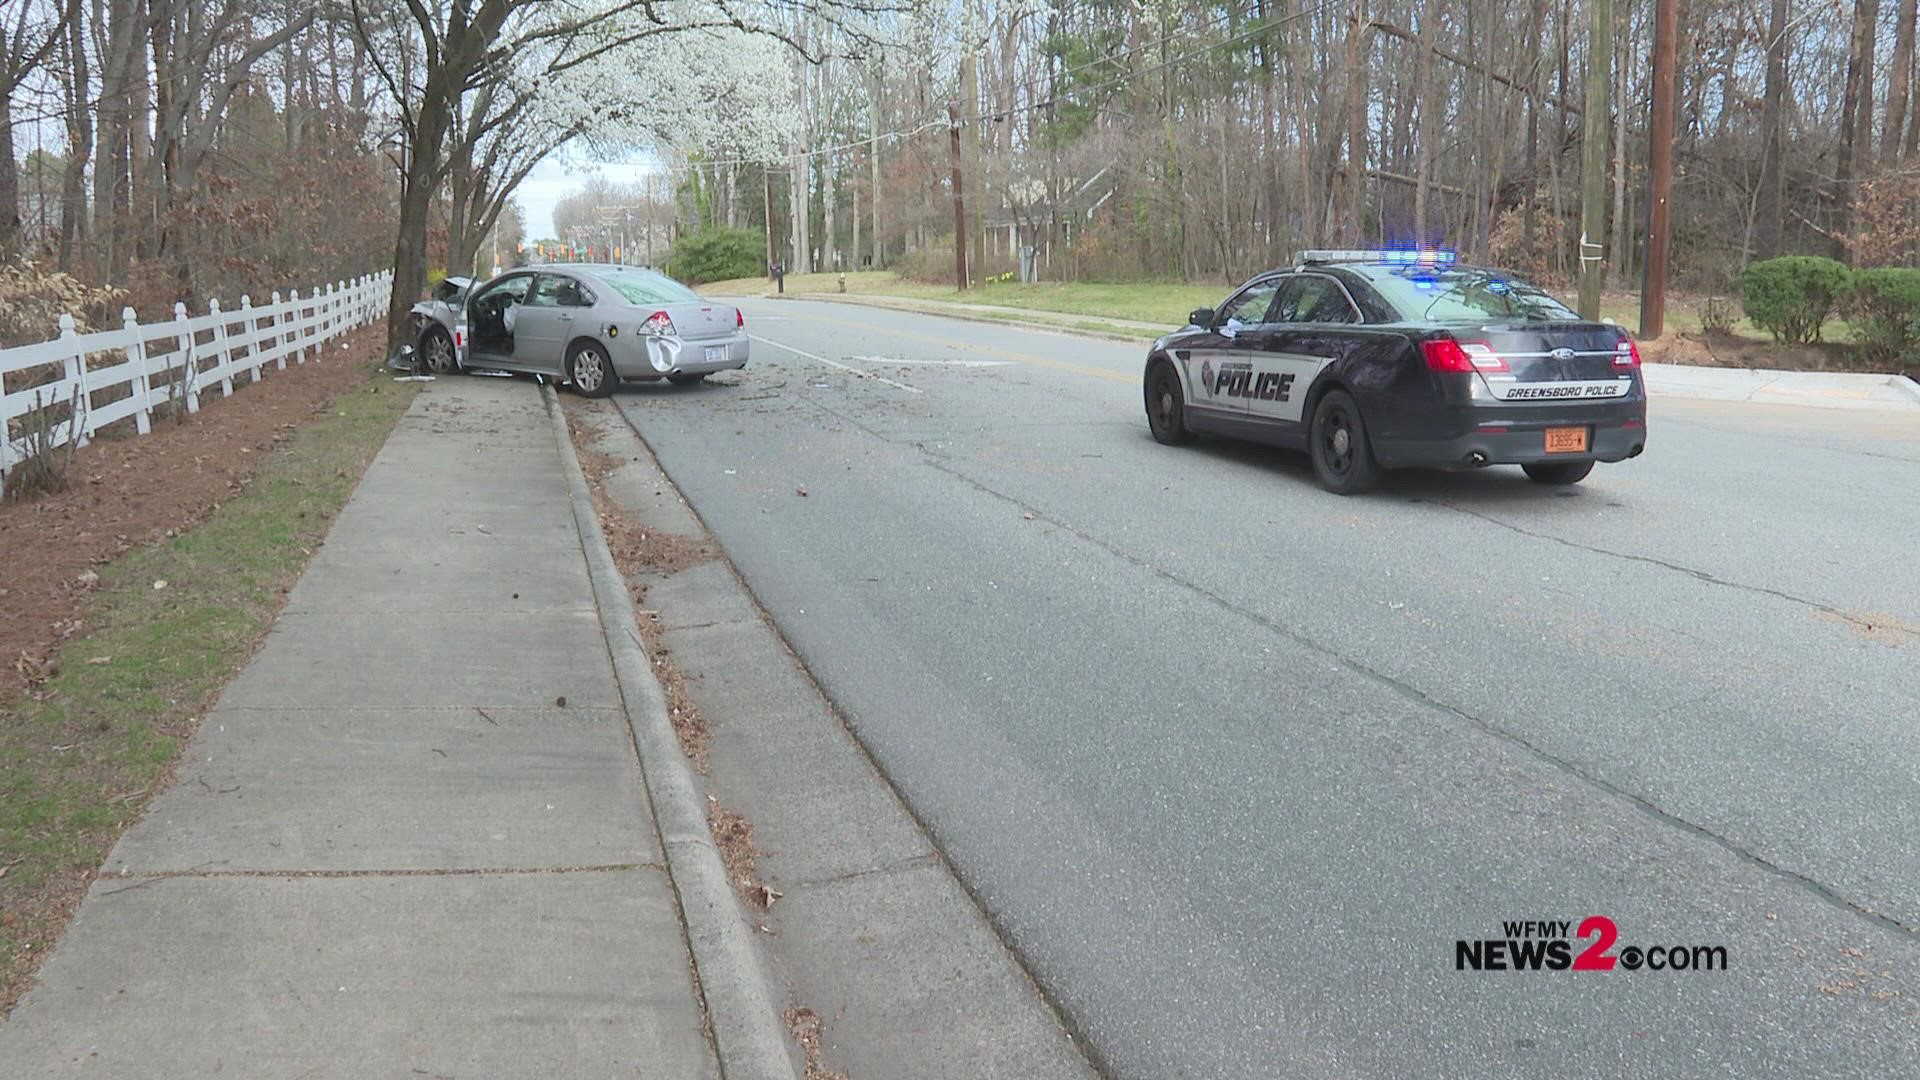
1020	358
862	372
940	363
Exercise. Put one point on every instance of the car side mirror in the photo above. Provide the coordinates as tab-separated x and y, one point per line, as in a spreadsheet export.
1201	316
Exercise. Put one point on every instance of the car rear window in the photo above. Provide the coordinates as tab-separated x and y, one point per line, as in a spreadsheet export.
642	287
1426	294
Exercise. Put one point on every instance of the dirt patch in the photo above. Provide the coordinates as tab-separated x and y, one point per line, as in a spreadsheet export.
734	835
1735	351
805	1025
124	492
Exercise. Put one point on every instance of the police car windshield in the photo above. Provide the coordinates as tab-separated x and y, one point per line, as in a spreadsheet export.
1466	294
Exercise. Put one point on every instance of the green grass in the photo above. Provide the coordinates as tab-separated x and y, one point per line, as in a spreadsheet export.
78	766
1161	303
1155	302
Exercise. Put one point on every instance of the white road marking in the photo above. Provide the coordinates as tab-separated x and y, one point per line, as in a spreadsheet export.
835	363
946	363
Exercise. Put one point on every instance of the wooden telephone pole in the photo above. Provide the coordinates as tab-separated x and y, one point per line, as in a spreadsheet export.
959	206
1593	156
1653	283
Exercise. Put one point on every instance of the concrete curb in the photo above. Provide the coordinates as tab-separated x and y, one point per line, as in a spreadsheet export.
748	1036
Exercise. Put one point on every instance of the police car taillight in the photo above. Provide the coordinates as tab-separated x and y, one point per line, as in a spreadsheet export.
1446	354
1626	354
657	324
739	319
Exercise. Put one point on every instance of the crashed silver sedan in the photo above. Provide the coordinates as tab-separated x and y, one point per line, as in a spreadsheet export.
593	325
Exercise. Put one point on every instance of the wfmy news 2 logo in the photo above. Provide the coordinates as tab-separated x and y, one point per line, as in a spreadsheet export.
1549	946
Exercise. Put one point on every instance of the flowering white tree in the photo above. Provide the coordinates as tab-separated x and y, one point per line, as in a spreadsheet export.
523	77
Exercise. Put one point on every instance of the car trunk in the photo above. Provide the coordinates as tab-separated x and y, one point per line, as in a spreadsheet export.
697	321
1551	361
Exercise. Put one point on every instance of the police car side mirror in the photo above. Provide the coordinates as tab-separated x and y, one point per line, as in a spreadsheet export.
1201	316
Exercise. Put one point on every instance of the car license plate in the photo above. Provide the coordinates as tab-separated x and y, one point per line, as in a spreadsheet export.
1566	440
716	354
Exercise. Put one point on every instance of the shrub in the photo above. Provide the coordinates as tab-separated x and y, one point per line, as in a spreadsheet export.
718	253
1717	315
933	265
1884	307
1791	297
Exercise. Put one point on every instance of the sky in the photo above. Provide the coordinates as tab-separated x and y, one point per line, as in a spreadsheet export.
558	175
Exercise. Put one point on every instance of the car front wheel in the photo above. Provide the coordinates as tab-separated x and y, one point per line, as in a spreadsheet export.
590	371
1558	473
437	348
1342	454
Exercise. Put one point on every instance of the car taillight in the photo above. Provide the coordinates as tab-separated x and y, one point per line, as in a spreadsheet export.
1446	354
1626	354
657	324
739	319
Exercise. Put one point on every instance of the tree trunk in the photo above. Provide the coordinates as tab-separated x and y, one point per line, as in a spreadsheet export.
9	178
1354	217
1898	80
1856	120
73	180
1430	126
1770	211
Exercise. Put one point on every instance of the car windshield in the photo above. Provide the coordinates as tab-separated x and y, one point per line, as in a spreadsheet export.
1466	294
646	287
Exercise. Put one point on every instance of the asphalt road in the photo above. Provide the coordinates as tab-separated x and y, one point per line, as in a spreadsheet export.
1234	763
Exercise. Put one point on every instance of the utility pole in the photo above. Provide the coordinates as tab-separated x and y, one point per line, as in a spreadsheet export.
766	174
1653	281
959	205
1593	156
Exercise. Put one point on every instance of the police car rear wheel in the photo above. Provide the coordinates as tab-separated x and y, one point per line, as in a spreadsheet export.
1342	455
1167	407
1558	472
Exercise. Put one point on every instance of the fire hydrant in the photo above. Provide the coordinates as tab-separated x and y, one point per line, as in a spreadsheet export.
843	281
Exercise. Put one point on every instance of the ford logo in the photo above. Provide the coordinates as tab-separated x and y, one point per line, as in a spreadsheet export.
1561	354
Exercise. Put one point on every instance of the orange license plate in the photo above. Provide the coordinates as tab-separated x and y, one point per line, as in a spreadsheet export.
1566	440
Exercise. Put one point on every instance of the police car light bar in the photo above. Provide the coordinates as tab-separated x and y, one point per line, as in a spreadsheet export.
1401	258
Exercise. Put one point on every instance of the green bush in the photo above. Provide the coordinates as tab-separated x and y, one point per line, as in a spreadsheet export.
1791	296
718	253
1884	307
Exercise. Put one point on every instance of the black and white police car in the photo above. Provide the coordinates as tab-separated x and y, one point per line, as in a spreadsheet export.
1373	360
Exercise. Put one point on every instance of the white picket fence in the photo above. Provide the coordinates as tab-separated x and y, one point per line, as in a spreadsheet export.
171	364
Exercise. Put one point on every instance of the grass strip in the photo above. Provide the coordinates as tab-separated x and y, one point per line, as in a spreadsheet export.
171	624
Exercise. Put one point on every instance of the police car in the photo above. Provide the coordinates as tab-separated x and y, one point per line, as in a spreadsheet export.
1372	360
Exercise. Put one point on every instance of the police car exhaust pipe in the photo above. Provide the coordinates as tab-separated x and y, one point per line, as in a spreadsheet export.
1477	458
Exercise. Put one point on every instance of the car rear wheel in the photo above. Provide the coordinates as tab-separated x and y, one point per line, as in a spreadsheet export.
1167	406
687	378
590	370
1342	454
437	348
1558	472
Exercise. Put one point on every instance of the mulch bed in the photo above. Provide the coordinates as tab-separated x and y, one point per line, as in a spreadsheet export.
124	492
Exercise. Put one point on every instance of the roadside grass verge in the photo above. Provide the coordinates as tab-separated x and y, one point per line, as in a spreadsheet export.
1158	302
170	624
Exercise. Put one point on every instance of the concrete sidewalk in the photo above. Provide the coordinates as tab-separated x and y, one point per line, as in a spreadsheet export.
413	838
